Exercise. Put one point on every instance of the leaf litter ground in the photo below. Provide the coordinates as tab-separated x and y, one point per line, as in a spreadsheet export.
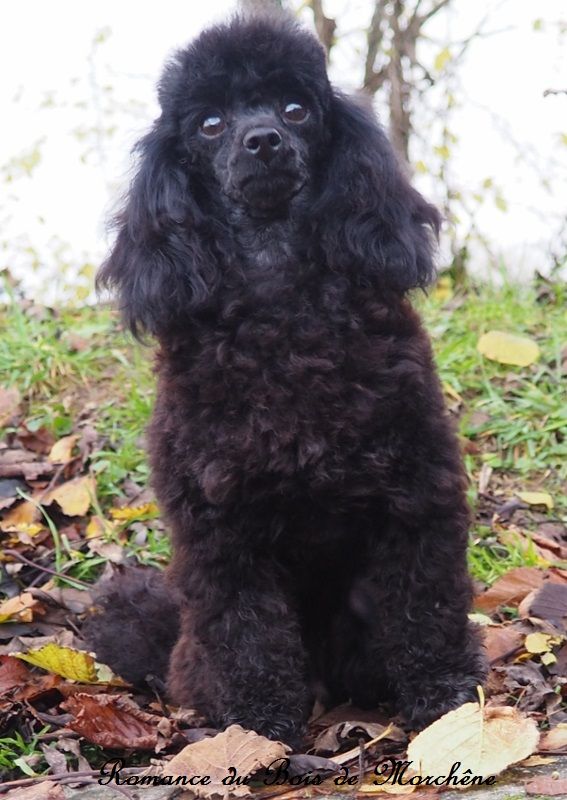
75	504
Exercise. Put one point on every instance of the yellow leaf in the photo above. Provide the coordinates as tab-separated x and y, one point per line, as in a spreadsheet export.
75	665
26	513
74	497
96	527
536	499
18	609
485	741
500	203
548	659
129	513
444	289
421	167
537	643
508	348
442	58
61	452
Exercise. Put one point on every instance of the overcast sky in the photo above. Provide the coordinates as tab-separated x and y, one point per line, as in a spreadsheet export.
47	76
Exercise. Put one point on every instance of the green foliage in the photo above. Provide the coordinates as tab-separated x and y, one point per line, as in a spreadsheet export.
17	754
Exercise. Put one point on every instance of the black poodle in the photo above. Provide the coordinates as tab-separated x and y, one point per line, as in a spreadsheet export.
300	446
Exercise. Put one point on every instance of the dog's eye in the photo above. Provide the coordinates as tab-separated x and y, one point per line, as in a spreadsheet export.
213	125
295	112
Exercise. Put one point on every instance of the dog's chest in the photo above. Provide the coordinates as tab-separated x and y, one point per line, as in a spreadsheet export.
283	390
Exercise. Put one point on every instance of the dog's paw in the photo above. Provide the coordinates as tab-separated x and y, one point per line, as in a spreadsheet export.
434	700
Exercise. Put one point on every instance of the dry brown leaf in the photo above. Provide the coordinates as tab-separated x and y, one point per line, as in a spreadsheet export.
501	640
511	588
110	551
333	738
62	450
73	497
113	721
9	403
21	683
484	740
246	751
547	786
46	790
12	673
555	739
537	761
15	462
550	603
19	609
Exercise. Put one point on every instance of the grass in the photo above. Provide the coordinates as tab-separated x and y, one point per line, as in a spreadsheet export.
73	365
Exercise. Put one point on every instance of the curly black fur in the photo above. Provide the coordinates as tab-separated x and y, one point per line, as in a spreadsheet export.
300	446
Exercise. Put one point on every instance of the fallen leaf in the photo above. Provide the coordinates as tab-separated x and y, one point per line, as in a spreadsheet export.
21	683
485	740
113	721
128	513
75	665
62	450
546	785
110	551
15	463
537	761
512	587
555	739
538	642
9	491
46	790
9	403
334	738
536	499
12	673
500	641
245	751
18	609
550	603
508	348
73	497
25	513
548	659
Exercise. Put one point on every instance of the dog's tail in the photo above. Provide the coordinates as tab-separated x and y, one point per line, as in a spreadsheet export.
134	624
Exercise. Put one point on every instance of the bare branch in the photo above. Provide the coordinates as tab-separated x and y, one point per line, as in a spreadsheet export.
421	19
554	91
325	26
374	39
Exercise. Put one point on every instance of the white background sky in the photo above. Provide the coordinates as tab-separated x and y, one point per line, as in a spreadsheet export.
61	210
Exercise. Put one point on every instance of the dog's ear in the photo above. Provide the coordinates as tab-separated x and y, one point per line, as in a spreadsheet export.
370	220
160	265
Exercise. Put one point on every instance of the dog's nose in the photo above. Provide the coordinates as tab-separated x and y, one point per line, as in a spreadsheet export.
263	143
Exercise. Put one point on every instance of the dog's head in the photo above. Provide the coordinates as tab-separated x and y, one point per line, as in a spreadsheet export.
251	130
249	101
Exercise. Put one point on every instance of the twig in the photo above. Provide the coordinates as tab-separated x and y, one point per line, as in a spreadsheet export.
554	91
82	776
62	576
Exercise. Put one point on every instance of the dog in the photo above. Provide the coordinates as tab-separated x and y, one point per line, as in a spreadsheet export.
300	447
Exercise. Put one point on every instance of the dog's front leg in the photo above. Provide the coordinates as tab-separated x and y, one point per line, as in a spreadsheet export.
240	657
428	648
